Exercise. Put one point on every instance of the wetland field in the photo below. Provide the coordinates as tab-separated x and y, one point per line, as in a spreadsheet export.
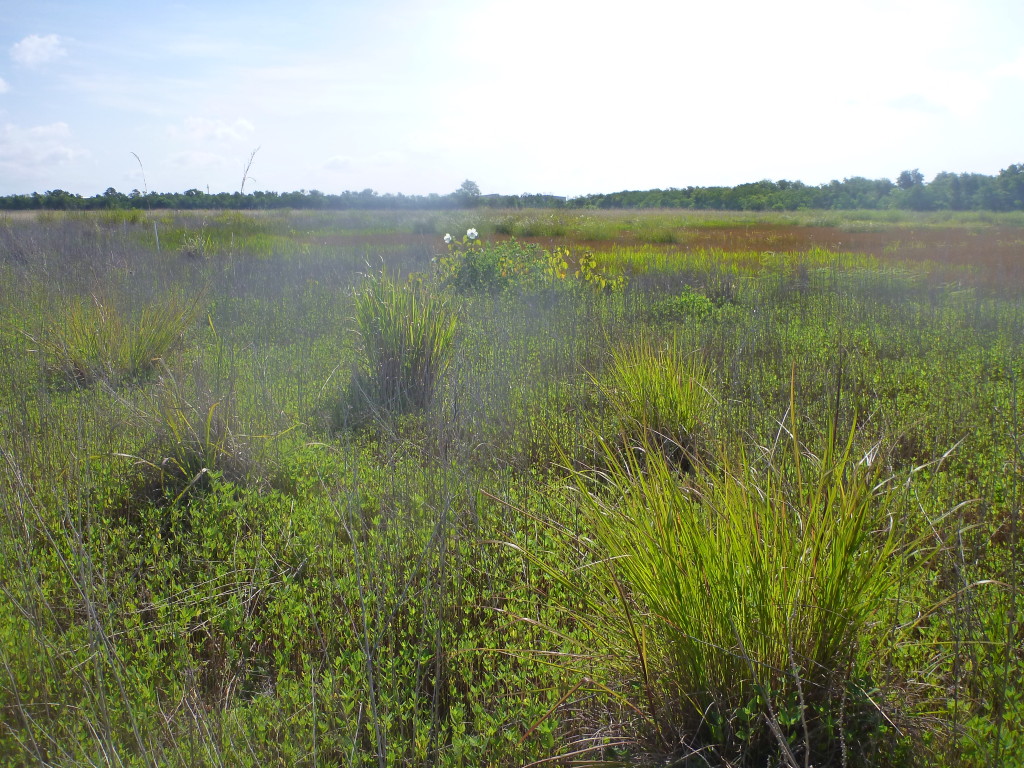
511	488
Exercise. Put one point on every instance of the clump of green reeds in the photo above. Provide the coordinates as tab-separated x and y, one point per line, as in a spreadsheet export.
406	333
196	245
199	435
91	340
751	606
658	396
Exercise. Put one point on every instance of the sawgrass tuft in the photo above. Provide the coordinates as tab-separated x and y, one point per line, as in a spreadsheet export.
658	396
406	333
91	341
750	608
200	436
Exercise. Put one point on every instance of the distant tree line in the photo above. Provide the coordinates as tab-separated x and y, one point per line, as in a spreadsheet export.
946	192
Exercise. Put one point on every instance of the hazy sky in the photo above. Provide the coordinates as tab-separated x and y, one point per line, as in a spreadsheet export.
553	96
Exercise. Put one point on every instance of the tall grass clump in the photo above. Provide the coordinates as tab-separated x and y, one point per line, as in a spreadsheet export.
406	333
200	436
756	605
658	397
91	341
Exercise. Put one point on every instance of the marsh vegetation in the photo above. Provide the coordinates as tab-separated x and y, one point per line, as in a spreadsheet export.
302	488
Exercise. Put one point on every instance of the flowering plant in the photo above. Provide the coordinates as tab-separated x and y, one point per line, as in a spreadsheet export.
513	265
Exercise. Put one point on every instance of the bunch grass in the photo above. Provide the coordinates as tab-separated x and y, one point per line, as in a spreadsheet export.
407	334
753	607
91	340
200	435
658	396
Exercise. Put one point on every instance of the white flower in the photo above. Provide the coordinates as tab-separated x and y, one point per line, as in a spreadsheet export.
472	234
447	239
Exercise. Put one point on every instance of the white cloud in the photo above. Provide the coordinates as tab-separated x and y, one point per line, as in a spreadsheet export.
201	130
23	151
201	46
195	159
944	93
4	87
346	163
339	163
37	49
1014	68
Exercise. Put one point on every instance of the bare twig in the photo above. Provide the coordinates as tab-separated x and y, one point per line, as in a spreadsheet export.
245	173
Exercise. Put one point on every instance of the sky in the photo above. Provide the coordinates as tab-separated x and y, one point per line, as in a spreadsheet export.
563	97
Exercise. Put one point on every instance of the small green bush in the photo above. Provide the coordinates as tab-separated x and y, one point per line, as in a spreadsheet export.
198	434
688	304
196	245
510	265
500	267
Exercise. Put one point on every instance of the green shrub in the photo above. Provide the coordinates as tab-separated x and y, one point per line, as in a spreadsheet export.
511	265
406	334
499	267
196	245
688	304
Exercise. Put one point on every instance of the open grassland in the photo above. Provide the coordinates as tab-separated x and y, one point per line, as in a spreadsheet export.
674	488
